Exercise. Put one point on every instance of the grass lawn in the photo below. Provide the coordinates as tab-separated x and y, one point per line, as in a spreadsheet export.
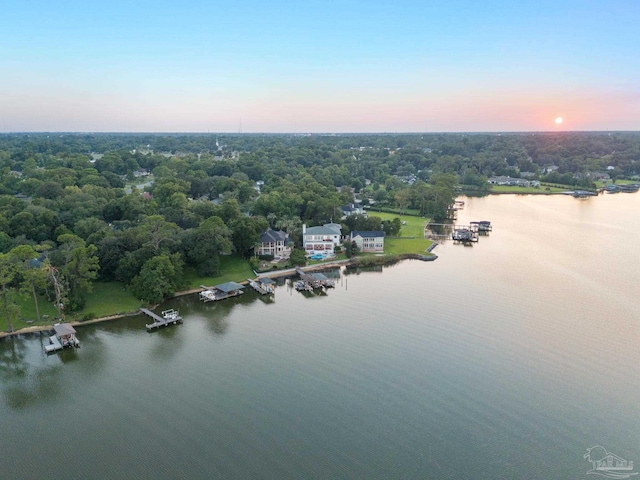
397	246
107	298
411	235
414	225
394	211
536	190
28	313
233	268
620	181
112	298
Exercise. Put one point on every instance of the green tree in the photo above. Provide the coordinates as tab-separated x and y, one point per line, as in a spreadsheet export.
159	233
202	246
246	233
32	276
158	278
298	257
78	267
351	249
8	274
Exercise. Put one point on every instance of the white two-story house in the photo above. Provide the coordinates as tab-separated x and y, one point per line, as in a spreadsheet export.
321	239
368	241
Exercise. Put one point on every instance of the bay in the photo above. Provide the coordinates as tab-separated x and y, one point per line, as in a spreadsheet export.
507	359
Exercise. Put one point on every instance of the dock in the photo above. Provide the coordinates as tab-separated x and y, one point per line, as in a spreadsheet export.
464	235
64	336
481	226
220	292
263	285
458	233
169	317
312	281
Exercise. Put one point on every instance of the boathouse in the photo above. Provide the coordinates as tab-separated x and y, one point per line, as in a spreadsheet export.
222	291
64	336
263	285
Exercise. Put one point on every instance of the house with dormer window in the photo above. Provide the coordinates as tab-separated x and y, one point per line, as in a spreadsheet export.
274	242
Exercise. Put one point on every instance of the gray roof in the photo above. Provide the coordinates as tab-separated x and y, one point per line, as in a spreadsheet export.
365	234
273	236
350	208
326	229
62	329
266	280
229	287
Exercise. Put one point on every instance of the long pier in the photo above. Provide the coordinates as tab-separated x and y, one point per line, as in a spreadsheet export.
311	281
169	317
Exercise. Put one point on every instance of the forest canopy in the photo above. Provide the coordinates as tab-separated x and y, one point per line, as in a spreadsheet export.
141	208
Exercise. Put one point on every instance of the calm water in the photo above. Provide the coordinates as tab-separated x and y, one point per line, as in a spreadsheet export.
507	359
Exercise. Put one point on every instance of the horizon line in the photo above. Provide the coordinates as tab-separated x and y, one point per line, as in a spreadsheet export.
307	133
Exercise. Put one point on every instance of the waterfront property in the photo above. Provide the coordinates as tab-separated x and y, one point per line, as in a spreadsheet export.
368	241
321	239
274	242
418	362
222	291
513	182
64	336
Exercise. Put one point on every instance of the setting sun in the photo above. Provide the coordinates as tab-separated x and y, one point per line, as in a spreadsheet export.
559	120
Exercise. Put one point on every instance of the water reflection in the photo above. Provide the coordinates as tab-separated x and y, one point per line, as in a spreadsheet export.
528	340
356	270
25	383
218	325
168	341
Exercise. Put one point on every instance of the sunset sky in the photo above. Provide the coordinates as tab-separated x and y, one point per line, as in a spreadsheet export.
319	66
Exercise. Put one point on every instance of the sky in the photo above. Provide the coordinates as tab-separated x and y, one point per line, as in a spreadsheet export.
319	66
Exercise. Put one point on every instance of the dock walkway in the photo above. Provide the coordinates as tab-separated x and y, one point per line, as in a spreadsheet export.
54	344
169	317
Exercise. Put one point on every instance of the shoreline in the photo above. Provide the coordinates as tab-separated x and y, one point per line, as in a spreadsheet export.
273	274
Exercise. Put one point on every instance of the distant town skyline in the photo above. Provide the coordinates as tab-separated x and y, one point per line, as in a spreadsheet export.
317	66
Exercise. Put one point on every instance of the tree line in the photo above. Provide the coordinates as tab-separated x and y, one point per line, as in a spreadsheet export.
142	209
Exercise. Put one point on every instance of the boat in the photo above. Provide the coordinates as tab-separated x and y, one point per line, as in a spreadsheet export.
170	315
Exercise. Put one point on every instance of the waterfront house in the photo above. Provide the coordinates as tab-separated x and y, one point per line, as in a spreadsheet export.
368	241
274	242
322	239
510	181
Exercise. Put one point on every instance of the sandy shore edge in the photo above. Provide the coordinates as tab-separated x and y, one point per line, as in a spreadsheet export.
274	274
